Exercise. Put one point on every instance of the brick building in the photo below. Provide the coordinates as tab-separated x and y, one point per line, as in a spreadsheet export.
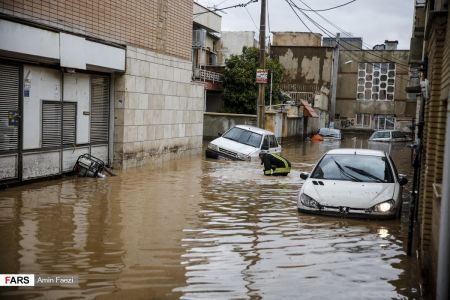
112	78
430	83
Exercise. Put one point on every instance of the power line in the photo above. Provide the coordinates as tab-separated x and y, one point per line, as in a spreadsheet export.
224	8
287	1
331	35
346	33
326	20
330	8
251	17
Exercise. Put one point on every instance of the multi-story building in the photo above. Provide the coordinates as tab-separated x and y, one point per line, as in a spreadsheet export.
232	43
110	78
307	74
371	89
205	48
430	83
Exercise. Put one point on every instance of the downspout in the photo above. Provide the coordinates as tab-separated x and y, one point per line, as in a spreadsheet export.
443	280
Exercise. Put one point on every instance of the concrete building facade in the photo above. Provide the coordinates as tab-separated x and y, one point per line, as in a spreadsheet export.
111	78
232	43
371	90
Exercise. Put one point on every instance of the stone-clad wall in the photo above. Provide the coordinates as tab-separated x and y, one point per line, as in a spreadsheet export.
158	110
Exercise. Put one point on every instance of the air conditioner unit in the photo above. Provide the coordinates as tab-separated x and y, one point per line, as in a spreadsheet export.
199	38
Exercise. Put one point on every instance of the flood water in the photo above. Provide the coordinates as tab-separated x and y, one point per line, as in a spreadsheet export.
202	229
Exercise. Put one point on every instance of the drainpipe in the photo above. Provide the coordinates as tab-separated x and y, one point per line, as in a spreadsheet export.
443	280
334	79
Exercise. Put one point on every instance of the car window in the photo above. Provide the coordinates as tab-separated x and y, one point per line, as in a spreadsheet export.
329	132
381	135
398	134
273	141
351	167
393	166
265	143
243	136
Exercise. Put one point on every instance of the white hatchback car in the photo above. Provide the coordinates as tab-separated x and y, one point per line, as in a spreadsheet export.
389	136
353	182
243	142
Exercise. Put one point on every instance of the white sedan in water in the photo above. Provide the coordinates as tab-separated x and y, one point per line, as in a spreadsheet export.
353	182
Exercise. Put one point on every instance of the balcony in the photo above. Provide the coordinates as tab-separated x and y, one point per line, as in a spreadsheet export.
205	75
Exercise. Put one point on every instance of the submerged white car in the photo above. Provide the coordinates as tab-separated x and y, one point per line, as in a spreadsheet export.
389	136
353	182
243	142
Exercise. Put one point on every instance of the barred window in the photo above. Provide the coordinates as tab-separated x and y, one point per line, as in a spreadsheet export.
376	81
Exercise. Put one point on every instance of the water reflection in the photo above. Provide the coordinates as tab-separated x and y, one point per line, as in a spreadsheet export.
201	229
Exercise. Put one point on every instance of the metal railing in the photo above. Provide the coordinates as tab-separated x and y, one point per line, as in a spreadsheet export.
204	75
297	96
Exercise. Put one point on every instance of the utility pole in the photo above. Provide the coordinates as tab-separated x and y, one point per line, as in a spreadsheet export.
260	107
334	80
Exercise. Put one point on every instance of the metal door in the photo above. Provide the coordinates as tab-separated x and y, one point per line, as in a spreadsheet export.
10	122
278	126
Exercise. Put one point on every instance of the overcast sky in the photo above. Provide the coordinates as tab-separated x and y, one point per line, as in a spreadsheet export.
373	20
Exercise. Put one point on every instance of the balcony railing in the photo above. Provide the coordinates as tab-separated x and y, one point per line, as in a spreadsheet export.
205	75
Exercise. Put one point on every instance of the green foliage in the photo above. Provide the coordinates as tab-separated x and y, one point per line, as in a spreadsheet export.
240	90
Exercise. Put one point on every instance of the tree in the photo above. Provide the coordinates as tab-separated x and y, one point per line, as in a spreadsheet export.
239	88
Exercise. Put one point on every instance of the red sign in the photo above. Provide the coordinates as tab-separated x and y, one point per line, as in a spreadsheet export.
262	76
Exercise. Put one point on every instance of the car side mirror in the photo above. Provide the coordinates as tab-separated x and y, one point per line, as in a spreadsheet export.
402	180
264	147
304	175
219	134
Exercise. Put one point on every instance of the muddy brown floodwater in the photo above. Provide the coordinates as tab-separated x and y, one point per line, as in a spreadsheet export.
202	229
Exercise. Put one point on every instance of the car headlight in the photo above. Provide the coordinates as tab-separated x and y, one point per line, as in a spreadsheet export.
243	156
384	207
308	201
213	147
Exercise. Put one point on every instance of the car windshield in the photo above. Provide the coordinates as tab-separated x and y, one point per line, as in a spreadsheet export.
329	132
351	167
243	136
381	135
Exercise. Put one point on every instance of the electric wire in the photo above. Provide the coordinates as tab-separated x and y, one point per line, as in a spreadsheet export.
344	32
224	8
253	21
330	8
349	51
287	1
341	42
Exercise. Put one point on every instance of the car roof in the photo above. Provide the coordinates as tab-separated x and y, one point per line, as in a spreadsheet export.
387	130
357	152
254	129
333	129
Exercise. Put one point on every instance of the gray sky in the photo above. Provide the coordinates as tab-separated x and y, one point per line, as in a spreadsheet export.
373	20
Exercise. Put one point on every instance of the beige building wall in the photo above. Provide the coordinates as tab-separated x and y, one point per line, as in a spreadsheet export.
296	39
347	105
158	110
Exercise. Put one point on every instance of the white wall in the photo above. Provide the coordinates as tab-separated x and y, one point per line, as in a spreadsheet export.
77	89
70	50
44	84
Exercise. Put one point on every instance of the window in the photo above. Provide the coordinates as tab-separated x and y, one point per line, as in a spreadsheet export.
51	123
384	122
350	167
244	137
273	141
398	135
99	109
363	120
376	81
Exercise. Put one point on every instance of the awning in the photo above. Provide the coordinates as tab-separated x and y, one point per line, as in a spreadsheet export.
308	111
